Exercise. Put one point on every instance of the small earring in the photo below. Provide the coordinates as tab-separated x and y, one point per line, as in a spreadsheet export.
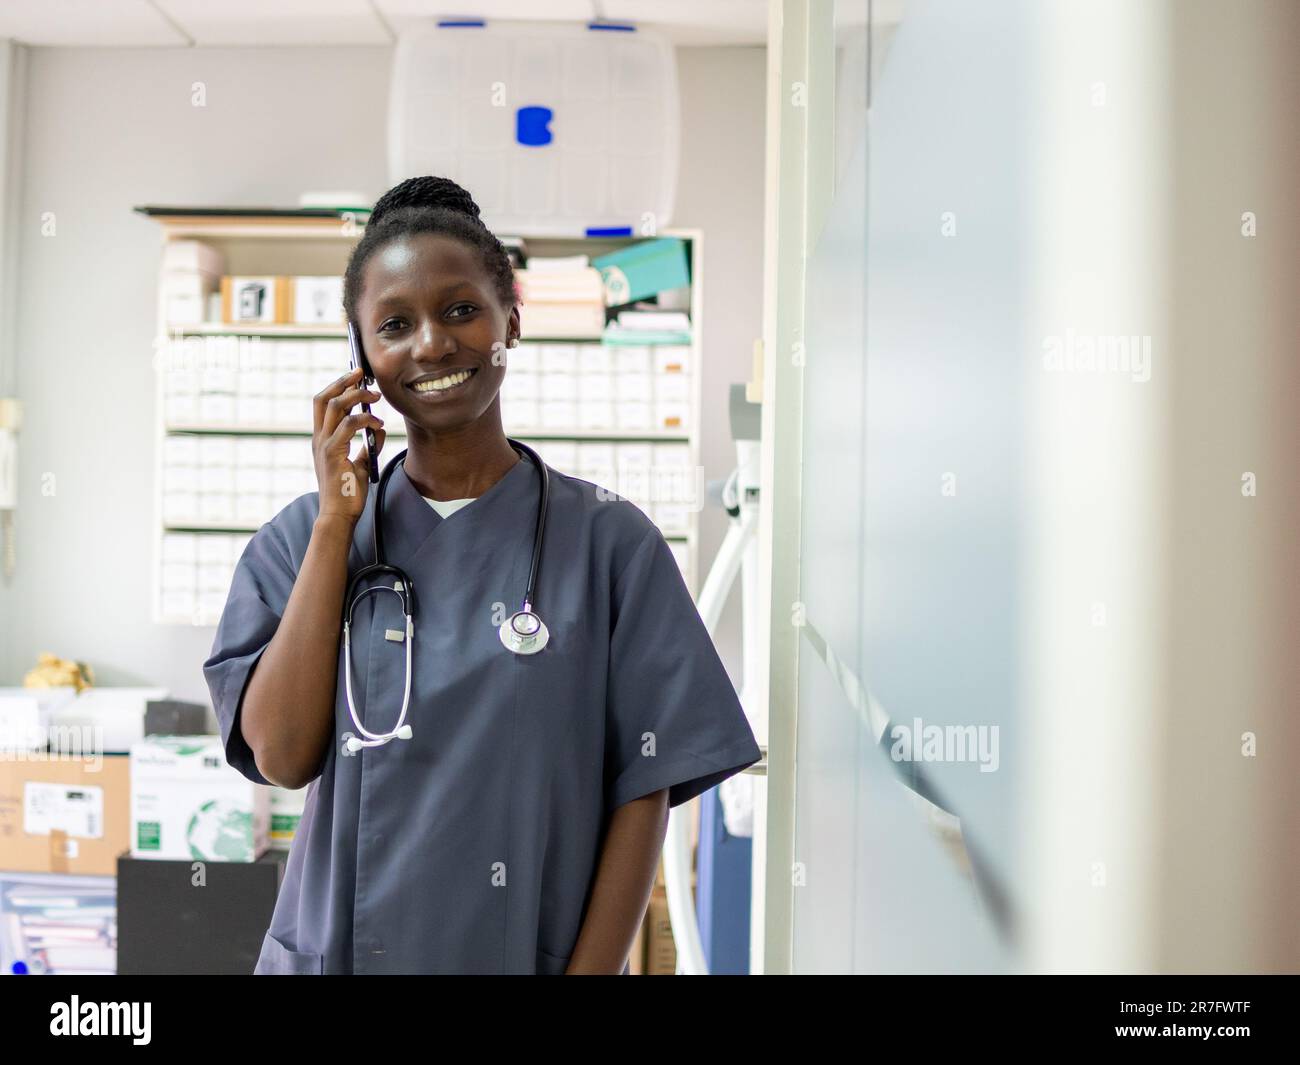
513	342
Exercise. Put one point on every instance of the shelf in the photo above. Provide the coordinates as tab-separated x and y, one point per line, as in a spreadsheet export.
328	332
248	527
632	435
257	241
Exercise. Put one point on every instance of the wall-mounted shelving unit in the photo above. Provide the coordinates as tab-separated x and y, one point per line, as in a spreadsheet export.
211	430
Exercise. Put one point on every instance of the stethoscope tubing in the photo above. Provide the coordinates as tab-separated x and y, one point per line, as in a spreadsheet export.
405	590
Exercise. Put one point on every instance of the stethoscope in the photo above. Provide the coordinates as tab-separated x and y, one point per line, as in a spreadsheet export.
523	632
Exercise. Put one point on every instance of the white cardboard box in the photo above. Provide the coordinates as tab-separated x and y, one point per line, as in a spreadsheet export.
187	803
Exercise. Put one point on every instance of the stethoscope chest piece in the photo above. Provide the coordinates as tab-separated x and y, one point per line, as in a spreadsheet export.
524	633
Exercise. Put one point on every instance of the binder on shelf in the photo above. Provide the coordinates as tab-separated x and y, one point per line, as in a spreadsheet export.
643	269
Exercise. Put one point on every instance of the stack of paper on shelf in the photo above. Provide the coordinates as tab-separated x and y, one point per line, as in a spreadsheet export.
58	925
649	326
561	298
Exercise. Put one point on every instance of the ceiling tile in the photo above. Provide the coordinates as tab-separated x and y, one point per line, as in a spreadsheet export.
696	22
522	10
278	22
68	23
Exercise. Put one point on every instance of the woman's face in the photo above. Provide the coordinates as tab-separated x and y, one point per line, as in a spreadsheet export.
429	315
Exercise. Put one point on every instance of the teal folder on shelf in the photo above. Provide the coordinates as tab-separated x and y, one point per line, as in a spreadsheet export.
643	269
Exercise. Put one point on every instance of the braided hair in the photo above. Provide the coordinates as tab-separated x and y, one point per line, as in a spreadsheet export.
428	205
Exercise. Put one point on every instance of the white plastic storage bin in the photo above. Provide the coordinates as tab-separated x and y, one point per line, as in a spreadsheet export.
565	129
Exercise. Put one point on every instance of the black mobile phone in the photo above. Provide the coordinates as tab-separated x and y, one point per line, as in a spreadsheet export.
357	357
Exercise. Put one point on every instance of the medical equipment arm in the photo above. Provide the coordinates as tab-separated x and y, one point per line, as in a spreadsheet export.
621	891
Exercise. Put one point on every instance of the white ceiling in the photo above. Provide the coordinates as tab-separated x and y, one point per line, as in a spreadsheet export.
216	23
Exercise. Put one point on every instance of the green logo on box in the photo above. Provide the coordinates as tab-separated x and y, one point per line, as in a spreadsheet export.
149	836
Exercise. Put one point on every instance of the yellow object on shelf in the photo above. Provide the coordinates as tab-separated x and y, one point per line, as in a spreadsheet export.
54	672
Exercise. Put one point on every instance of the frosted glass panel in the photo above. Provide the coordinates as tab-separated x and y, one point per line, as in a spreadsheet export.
913	422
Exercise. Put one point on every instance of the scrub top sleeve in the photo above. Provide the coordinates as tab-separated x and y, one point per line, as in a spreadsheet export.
673	719
258	596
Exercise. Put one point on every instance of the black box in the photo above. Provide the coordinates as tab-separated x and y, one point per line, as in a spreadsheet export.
166	924
175	717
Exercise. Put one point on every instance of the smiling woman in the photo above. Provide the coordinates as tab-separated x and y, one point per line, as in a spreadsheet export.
517	826
432	293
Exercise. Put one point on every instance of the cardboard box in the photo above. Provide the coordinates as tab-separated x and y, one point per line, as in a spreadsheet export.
65	816
661	950
317	299
254	300
286	812
188	803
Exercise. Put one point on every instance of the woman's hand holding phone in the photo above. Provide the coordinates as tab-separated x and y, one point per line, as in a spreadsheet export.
343	480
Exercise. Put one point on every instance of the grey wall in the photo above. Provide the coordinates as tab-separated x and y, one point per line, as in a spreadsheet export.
107	129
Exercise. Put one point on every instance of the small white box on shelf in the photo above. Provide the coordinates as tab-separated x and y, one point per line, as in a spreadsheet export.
290	413
214	578
563	386
253	508
179	577
213	548
180	547
256	383
184	307
192	255
181	382
285	383
681	554
558	414
672	454
251	451
181	451
255	479
251	299
675	416
217	479
595	414
635	453
672	358
292	354
318	300
674	388
595	386
597	453
595	358
631	358
633	386
217	451
330	355
216	409
526	358
216	508
518	385
673	516
188	804
253	410
559	358
285	482
520	413
629	414
218	379
562	455
180	479
181	410
291	452
179	507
